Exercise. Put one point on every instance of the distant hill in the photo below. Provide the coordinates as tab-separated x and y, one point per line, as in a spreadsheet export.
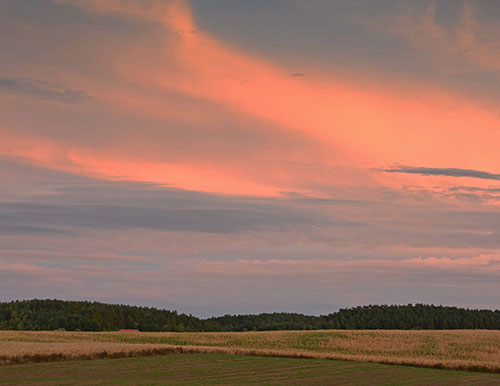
93	316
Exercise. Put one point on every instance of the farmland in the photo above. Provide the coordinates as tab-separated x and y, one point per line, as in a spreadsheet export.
224	369
473	350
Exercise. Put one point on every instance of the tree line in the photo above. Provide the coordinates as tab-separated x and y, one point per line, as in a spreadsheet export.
94	316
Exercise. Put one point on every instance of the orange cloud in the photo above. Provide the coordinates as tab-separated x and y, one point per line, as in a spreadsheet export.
77	160
346	124
184	176
425	126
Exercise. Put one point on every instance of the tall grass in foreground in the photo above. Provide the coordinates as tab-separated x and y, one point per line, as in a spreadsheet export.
475	350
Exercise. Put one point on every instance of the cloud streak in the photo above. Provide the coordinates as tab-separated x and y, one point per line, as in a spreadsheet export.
41	89
447	172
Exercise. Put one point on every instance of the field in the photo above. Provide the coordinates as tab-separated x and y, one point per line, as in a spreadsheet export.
472	350
225	369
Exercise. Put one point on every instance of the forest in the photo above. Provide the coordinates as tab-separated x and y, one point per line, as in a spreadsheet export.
94	316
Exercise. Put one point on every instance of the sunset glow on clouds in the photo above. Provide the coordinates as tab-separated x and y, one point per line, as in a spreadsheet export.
148	143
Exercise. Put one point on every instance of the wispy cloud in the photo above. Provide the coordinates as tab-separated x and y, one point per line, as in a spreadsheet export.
466	39
484	263
448	172
42	89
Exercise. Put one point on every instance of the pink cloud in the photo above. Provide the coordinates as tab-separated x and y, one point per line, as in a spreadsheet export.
346	126
485	263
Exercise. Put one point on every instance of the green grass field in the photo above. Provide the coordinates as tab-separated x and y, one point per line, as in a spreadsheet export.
224	369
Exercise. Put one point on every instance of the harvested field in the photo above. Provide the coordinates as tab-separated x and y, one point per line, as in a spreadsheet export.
473	350
222	369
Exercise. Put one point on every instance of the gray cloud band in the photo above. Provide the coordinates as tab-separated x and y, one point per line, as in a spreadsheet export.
42	89
448	172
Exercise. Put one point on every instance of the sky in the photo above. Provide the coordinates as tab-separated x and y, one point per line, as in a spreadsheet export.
234	156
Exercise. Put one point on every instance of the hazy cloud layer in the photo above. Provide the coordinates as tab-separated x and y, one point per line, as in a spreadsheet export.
138	243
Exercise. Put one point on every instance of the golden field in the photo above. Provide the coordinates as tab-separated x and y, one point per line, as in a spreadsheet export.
477	350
